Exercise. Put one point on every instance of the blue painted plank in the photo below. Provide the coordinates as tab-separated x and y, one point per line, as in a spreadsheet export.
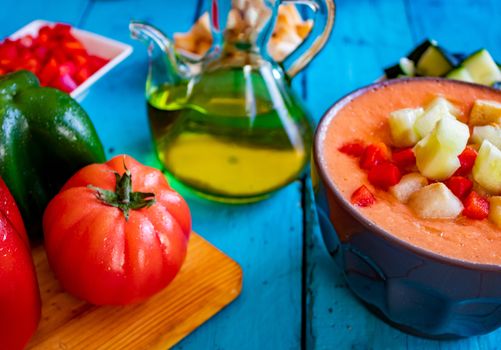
264	238
14	14
460	26
369	36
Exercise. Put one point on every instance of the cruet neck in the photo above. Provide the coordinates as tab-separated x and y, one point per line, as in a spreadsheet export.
161	50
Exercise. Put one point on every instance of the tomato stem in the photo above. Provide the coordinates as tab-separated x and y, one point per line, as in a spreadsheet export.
124	198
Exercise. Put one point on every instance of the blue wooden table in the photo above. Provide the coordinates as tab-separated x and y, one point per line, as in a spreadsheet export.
293	296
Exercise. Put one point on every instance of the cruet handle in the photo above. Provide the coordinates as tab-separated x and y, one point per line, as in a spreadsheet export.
322	26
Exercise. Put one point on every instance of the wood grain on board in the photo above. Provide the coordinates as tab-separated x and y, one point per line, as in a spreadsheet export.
208	281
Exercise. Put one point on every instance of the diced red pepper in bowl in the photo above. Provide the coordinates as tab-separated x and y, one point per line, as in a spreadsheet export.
460	186
54	55
354	149
467	160
374	154
475	206
362	197
384	175
404	158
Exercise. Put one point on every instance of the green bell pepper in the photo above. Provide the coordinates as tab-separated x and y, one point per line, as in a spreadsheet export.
45	137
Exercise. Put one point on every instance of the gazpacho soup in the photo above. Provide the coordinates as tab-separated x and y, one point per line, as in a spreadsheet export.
421	159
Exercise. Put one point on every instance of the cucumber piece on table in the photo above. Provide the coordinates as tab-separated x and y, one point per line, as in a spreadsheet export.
482	68
460	73
419	50
459	57
431	60
405	67
434	62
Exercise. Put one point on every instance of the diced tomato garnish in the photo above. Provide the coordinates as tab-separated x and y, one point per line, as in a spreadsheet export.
460	186
8	54
354	149
45	30
82	75
404	158
65	83
74	47
49	72
31	64
60	56
41	53
67	67
80	60
96	62
363	197
475	206
384	175
467	160
27	41
374	154
61	30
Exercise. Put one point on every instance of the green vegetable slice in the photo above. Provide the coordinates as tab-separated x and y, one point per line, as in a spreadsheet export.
482	68
460	73
434	62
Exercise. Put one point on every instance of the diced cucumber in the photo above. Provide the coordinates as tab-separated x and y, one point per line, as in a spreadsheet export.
487	168
460	73
491	133
405	68
436	110
431	60
482	68
419	50
434	62
402	129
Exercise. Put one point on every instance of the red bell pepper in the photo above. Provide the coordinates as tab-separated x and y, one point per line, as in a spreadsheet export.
374	154
404	158
384	175
363	197
460	186
475	206
354	149
19	294
467	160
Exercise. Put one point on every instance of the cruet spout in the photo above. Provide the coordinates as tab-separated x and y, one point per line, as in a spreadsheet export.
166	66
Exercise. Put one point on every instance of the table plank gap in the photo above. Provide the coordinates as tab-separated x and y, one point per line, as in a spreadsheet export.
85	13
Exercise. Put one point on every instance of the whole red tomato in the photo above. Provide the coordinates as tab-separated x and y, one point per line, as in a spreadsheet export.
116	233
19	294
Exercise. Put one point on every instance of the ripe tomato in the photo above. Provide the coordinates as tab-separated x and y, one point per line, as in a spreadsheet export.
19	294
116	233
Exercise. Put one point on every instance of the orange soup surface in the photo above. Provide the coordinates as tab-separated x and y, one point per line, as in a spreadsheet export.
366	118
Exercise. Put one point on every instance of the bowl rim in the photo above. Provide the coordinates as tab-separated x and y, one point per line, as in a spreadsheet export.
318	147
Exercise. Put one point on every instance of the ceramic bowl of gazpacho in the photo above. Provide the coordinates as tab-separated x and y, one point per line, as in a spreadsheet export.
407	178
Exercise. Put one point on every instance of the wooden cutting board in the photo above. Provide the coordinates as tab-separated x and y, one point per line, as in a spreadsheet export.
208	281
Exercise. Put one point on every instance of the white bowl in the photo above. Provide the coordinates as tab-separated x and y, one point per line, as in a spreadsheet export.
112	50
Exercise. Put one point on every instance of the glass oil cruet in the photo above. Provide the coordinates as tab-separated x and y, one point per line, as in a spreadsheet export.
227	125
